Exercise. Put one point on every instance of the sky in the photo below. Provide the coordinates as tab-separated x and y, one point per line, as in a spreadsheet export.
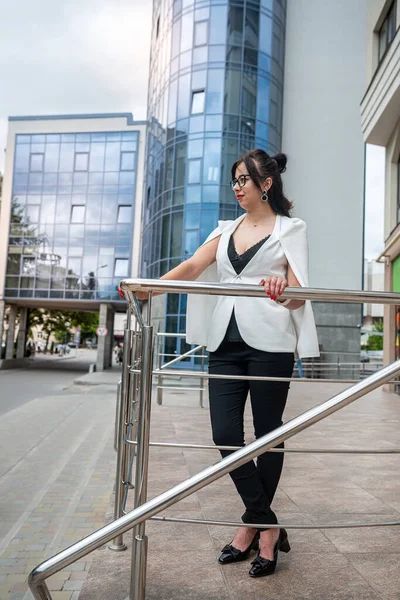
92	56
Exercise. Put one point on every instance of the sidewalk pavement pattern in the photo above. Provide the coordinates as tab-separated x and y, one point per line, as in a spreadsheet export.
58	473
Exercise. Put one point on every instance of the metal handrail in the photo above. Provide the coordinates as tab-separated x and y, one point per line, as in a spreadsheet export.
293	450
148	509
205	375
129	286
152	507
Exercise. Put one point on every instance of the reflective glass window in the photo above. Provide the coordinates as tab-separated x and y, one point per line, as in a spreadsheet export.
196	124
36	162
201	14
217	53
212	161
235	26
251	28
81	161
112	162
199	79
218	19
210	193
194	171
28	265
191	243
200	55
180	165
198	99
124	214
215	91
195	148
22	158
201	33
192	218
265	40
187	32
32	213
176	234
127	161
193	194
52	158
78	214
183	97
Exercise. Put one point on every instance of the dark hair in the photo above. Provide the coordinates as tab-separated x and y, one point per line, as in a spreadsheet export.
260	166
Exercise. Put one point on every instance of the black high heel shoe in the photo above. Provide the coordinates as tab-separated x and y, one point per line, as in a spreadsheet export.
230	554
261	567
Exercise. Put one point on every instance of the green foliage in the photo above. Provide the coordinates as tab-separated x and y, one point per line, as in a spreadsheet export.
62	323
375	342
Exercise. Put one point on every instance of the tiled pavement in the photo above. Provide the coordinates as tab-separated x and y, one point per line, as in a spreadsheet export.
57	472
56	476
324	564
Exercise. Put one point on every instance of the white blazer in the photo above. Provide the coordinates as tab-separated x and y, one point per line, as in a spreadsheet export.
262	323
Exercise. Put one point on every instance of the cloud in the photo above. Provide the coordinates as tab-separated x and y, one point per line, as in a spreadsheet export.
74	57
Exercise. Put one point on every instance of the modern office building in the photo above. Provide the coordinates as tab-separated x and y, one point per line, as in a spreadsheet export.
70	219
228	76
380	117
215	90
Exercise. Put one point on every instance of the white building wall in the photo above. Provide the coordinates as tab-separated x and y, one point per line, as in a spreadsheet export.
325	74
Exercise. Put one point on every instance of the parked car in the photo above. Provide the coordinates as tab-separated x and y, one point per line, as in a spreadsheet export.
62	348
71	345
364	357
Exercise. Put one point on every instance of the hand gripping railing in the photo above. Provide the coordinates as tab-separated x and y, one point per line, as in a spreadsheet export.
146	509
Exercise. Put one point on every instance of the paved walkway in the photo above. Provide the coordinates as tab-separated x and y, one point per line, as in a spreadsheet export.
57	474
324	564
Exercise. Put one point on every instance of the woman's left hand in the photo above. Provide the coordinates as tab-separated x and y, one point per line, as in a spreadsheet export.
274	285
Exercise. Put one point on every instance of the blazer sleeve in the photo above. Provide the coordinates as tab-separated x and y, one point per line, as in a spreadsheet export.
293	237
200	308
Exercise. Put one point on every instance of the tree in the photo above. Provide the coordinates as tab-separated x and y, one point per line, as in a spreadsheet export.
375	342
61	323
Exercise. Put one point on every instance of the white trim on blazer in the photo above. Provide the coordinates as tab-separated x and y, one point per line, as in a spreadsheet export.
263	323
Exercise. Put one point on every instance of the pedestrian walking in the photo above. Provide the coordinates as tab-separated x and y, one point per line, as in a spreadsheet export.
252	336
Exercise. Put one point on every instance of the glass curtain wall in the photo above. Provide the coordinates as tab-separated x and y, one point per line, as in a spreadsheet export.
215	91
72	215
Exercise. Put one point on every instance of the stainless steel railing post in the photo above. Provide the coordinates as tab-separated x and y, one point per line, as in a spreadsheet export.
139	539
159	355
122	448
202	380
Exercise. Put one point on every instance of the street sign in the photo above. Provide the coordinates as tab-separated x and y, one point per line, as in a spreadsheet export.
101	331
77	340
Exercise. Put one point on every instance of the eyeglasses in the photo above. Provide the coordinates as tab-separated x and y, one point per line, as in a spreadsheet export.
241	181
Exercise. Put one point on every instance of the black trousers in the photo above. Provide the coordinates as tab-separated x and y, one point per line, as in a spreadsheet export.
255	482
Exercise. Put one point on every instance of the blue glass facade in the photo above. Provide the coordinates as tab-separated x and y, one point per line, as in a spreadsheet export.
215	91
72	215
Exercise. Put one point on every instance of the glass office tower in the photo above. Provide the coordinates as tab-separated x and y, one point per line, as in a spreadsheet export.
71	215
215	91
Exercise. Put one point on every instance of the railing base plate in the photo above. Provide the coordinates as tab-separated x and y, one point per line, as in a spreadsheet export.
117	547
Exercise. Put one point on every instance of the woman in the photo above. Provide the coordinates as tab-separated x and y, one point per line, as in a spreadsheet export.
252	336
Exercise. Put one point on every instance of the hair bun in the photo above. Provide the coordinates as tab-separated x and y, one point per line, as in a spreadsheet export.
281	160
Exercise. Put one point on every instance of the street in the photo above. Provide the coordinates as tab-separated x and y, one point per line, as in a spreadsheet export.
23	385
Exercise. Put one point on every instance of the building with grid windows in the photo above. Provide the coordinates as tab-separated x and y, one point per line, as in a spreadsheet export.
70	219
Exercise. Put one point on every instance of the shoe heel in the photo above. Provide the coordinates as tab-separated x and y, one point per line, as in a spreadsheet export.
284	546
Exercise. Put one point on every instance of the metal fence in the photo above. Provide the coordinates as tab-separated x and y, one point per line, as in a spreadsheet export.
133	430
